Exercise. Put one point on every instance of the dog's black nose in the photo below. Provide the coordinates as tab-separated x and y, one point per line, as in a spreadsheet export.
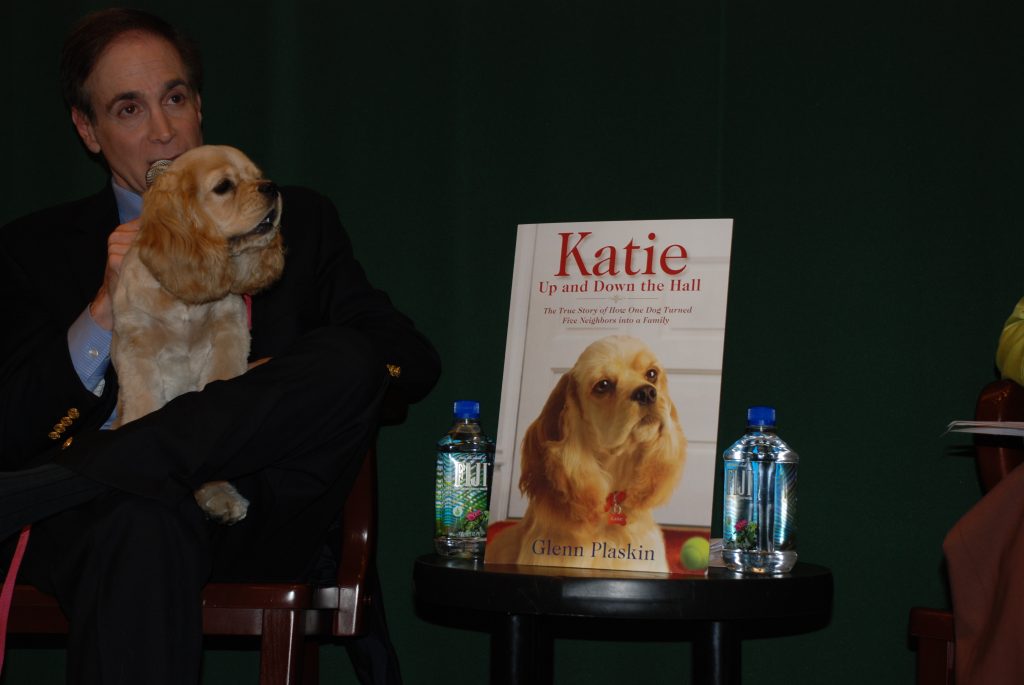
268	188
646	394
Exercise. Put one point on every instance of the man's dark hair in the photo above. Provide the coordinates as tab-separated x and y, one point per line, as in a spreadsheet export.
93	33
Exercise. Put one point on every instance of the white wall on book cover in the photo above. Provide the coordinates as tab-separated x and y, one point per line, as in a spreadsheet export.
546	335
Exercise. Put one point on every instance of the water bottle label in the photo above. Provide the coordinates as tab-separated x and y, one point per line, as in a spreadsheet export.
738	531
759	506
463	494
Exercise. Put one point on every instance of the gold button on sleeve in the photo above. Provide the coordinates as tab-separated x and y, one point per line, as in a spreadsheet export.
67	443
73	413
53	435
394	369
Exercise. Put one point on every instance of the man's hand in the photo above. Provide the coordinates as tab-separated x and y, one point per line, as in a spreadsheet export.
118	243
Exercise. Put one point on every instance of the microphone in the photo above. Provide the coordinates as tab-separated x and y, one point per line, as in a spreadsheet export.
158	167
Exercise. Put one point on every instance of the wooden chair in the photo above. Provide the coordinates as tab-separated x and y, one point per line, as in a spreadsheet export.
289	618
995	456
999	401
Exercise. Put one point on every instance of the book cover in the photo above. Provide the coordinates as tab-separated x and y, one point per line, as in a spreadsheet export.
606	442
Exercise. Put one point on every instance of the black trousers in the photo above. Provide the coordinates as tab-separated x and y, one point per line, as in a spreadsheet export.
128	567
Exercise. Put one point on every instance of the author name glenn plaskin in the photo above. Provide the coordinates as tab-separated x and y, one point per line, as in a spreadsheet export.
598	549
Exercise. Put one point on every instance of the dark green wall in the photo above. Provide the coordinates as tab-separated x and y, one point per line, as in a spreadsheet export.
869	153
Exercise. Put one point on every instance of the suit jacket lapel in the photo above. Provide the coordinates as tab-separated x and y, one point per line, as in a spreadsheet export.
86	242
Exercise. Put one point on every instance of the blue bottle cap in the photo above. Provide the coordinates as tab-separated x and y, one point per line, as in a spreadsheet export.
466	409
761	416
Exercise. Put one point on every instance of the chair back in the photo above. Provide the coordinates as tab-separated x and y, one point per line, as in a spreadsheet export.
351	594
997	455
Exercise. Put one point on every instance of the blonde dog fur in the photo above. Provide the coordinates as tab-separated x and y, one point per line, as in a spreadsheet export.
209	232
609	426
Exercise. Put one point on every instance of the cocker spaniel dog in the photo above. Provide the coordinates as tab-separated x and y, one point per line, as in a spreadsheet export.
209	234
606	449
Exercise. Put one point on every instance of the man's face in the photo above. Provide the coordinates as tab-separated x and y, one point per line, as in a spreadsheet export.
144	108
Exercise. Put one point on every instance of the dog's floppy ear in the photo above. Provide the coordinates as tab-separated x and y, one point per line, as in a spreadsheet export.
555	460
187	258
659	463
545	429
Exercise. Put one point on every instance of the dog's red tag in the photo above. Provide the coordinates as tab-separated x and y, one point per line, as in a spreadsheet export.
613	505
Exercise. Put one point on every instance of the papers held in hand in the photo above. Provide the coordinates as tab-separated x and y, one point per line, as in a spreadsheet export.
1015	428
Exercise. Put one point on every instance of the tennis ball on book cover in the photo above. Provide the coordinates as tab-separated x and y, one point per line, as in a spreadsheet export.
694	553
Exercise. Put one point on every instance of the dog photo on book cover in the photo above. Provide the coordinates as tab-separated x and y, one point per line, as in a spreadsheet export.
606	449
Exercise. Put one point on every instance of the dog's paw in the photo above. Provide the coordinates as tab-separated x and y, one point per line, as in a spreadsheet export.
222	502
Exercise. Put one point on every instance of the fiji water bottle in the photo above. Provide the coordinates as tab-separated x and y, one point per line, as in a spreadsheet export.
465	463
759	507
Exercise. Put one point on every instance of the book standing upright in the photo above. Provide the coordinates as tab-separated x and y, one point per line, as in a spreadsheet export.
606	444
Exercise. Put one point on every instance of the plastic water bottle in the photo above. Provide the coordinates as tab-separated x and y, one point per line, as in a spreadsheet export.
465	465
759	507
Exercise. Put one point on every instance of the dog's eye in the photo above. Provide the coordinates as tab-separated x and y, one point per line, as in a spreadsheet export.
223	187
603	386
651	375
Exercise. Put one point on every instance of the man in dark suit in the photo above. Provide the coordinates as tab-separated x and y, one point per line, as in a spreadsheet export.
112	511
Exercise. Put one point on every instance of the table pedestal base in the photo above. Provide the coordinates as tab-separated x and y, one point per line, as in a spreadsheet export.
522	651
716	655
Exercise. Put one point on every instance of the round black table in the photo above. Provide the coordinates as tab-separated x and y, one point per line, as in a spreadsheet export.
524	598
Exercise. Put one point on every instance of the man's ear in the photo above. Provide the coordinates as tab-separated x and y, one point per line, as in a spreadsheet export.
199	108
83	124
